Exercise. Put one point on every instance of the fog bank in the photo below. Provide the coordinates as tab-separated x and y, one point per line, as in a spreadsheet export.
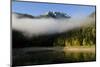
43	26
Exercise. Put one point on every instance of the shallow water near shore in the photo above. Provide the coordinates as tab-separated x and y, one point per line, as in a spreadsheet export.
50	55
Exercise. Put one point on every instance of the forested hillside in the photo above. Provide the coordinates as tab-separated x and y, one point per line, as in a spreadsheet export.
84	36
79	36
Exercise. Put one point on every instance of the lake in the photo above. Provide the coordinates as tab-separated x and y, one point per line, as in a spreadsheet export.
49	55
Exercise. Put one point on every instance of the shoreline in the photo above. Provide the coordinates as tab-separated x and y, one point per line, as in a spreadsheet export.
60	48
80	49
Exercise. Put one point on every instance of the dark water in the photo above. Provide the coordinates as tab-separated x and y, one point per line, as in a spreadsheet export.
37	56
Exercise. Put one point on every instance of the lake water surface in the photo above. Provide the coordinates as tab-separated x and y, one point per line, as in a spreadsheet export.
53	55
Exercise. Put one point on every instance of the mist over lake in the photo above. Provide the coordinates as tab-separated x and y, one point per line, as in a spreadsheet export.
45	26
50	33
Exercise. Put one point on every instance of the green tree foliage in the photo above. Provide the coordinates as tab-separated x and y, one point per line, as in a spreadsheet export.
84	36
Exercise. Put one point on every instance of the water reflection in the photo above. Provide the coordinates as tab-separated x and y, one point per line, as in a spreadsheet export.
80	56
33	57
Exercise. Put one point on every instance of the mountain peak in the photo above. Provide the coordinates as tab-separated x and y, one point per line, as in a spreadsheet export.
50	14
56	15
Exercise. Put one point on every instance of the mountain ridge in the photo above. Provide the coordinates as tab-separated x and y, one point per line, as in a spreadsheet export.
56	15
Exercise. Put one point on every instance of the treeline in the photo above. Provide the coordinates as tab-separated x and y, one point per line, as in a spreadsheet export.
21	41
84	36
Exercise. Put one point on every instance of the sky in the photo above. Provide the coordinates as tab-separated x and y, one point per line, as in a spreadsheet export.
36	8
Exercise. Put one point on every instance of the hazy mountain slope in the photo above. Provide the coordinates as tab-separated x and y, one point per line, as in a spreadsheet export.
19	38
42	30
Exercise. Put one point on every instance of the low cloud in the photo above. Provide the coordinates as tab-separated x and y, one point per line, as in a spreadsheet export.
43	26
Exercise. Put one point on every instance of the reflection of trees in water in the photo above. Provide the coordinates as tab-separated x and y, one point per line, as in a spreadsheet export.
80	56
50	57
38	57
